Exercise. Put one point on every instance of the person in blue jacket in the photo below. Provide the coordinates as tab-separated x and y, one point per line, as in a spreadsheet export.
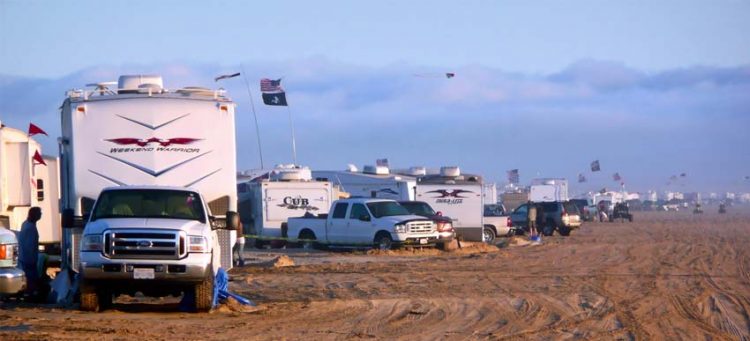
28	249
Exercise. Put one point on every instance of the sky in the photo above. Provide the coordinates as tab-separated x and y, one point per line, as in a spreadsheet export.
652	88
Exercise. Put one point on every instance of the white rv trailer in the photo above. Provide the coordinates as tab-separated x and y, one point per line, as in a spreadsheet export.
371	182
489	192
142	134
25	183
458	196
269	200
549	189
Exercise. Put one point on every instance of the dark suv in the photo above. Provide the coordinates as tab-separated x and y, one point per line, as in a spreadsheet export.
562	216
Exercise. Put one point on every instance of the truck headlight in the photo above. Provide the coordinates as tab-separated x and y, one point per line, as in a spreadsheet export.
197	244
400	228
92	242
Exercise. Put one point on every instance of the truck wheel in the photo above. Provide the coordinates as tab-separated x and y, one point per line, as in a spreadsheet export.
488	235
204	293
89	298
383	241
548	229
630	218
309	243
564	230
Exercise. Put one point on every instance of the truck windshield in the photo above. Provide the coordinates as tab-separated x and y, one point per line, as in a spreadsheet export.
386	209
149	203
419	208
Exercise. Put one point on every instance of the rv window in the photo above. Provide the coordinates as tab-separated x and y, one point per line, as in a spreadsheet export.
339	212
358	210
39	190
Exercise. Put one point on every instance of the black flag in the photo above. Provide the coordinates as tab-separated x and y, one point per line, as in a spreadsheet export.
595	166
581	177
275	98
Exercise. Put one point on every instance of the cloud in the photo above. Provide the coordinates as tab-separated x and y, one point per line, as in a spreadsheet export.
641	124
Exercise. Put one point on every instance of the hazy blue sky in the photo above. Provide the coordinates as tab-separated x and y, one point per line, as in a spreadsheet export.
652	88
54	38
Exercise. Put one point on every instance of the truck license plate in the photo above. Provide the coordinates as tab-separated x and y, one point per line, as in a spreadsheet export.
143	273
423	241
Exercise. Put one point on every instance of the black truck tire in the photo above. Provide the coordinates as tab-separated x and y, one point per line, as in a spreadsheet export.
89	297
564	230
383	241
488	235
549	228
204	293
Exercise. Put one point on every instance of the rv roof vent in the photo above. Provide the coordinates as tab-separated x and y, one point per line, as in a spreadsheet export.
351	168
131	83
417	171
377	170
451	171
549	182
291	174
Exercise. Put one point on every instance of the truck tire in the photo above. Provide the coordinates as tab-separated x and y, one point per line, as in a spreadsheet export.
204	293
488	234
549	228
383	241
310	243
564	230
630	218
94	300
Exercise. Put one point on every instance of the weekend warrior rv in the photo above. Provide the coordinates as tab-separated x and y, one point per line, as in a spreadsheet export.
372	182
269	200
458	196
25	183
149	191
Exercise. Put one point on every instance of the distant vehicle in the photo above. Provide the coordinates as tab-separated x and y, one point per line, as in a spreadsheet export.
443	224
562	217
12	279
722	208
698	209
496	216
622	212
360	222
586	207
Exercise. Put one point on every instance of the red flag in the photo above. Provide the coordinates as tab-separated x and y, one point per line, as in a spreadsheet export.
33	130
38	158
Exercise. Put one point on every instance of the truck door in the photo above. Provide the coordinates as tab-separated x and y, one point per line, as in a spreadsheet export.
360	226
338	224
519	216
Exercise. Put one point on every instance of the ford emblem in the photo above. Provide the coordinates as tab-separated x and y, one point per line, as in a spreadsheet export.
145	243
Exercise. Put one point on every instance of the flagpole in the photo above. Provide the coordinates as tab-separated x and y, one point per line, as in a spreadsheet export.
255	115
294	143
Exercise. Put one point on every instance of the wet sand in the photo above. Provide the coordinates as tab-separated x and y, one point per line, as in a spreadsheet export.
667	275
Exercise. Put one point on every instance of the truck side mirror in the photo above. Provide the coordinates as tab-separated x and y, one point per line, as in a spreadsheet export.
364	217
67	218
233	220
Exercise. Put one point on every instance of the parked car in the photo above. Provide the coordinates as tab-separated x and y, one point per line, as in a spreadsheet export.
622	212
12	279
586	208
498	221
444	224
560	216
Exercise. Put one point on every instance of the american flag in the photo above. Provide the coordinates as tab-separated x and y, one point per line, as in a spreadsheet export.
595	166
382	162
270	85
581	177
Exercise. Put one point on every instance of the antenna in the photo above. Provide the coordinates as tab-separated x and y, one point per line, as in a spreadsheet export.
103	87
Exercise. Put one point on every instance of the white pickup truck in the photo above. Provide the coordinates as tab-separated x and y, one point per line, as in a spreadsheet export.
157	240
363	222
12	279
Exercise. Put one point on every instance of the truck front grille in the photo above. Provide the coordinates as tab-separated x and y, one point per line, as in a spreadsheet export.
421	227
140	244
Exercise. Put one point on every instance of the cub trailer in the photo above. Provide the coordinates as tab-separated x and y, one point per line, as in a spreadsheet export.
269	199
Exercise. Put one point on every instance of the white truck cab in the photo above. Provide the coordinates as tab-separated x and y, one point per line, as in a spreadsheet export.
156	240
364	222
